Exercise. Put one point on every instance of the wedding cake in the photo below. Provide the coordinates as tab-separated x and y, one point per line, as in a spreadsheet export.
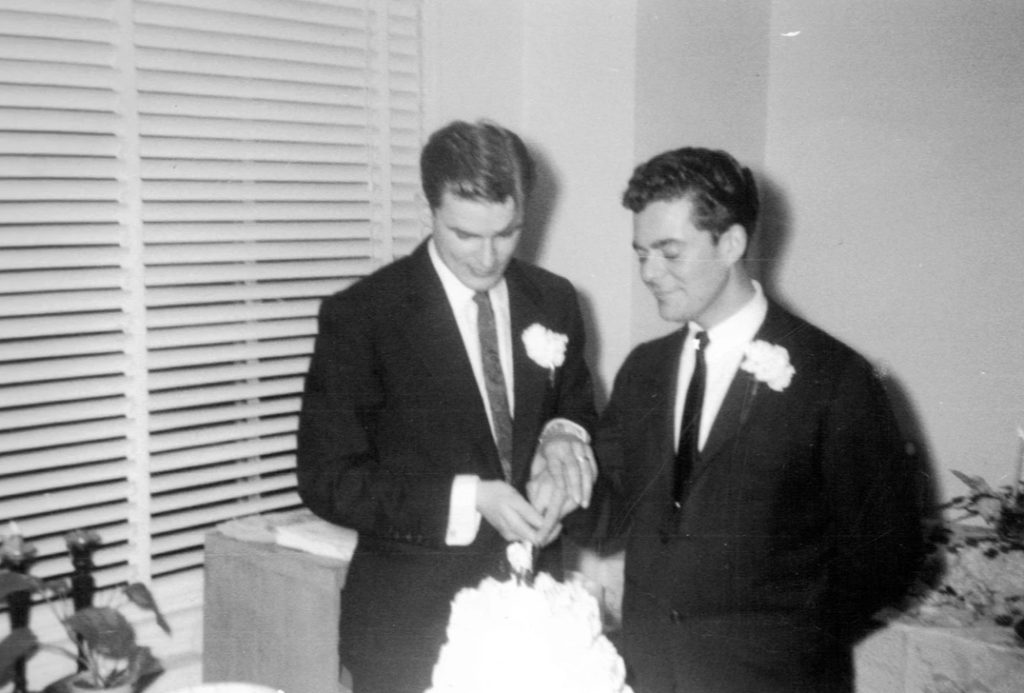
516	637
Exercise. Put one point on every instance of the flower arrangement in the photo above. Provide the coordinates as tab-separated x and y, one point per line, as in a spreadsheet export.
1003	508
990	504
976	572
108	654
971	576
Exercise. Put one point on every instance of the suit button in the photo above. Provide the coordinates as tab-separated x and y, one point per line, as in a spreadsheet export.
675	616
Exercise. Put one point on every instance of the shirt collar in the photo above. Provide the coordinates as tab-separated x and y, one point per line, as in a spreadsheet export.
457	292
740	327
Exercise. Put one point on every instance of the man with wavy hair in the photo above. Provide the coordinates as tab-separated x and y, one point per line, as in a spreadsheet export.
752	462
422	408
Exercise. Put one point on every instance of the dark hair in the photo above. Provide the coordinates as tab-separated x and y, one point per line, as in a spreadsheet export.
721	191
479	160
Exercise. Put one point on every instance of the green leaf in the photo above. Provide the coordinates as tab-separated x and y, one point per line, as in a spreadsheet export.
990	508
143	663
140	595
978	485
14	582
21	642
89	680
105	630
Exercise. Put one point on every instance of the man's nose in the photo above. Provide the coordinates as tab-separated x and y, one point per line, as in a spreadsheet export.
488	254
651	268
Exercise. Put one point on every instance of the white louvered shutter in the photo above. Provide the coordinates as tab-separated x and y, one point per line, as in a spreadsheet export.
181	182
68	351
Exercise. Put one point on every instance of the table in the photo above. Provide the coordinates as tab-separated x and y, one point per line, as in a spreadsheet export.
911	657
271	617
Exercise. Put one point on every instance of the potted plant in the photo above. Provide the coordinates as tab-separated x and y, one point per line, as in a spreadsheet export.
102	640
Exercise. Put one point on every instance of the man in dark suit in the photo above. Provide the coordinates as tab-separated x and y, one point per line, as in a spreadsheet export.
430	384
756	555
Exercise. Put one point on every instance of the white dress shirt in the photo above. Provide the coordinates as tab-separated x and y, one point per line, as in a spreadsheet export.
460	297
463	518
724	352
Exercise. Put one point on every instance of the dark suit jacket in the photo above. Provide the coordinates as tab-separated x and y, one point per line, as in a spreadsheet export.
801	518
390	414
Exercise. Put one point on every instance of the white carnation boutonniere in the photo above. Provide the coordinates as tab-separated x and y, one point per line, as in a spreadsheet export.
769	364
546	348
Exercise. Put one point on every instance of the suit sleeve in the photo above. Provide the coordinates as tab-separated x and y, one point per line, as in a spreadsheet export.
575	386
340	475
606	520
873	487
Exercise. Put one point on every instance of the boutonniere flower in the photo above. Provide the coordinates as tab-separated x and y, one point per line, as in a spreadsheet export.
546	348
769	364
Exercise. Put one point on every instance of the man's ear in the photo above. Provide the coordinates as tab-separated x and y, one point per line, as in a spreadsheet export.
733	243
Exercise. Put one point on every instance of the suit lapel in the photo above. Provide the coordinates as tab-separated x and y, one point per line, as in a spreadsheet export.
741	398
664	378
432	335
531	380
732	416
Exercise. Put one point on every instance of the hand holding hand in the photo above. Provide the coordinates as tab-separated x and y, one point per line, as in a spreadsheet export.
569	461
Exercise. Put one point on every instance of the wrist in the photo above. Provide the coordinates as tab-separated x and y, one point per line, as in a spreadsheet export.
564	428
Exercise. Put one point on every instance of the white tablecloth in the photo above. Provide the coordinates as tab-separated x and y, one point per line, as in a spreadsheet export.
910	657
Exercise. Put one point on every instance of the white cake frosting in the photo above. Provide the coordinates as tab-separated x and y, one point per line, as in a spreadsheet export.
510	637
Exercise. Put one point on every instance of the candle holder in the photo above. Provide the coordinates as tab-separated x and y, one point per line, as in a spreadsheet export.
17	555
81	545
114	659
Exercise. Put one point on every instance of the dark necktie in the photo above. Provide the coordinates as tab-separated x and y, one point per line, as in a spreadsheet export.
494	380
689	427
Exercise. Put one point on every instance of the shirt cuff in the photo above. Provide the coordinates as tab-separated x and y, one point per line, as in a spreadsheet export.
565	426
463	517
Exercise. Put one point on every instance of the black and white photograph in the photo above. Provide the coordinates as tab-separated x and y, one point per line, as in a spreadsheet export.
511	346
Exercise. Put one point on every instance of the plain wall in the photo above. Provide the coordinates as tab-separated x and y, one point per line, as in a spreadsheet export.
473	50
889	141
702	80
579	112
561	75
895	138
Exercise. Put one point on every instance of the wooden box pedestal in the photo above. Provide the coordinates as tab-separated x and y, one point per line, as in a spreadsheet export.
271	616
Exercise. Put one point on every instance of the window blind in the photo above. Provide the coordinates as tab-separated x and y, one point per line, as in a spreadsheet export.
181	182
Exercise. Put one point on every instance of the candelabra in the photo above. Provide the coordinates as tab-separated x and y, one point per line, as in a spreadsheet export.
81	545
17	555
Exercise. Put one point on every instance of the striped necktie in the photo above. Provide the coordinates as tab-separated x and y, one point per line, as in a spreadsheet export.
494	380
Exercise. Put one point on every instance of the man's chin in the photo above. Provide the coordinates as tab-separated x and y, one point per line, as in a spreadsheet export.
482	283
671	313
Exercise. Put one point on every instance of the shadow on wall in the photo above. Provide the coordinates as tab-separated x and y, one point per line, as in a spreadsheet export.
918	452
539	211
539	208
770	238
764	260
